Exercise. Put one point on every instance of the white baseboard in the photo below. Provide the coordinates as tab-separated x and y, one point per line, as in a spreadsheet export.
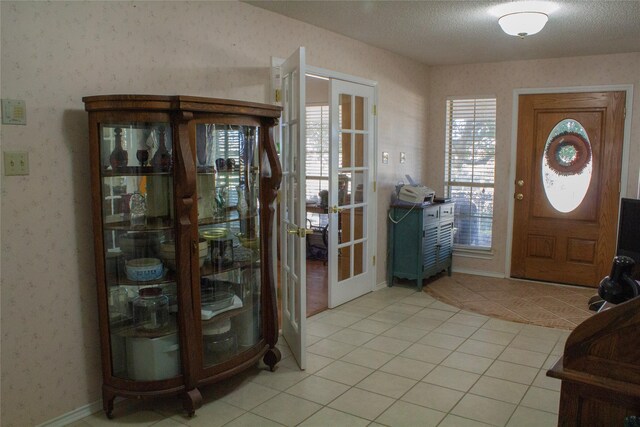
73	416
379	286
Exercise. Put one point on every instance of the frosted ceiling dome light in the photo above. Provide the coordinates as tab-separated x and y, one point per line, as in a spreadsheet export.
523	24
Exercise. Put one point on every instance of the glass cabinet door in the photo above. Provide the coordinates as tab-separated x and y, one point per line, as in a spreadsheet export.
228	226
139	248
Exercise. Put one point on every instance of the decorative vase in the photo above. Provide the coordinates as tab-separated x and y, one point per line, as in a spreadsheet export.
220	203
246	211
242	207
201	144
162	159
119	156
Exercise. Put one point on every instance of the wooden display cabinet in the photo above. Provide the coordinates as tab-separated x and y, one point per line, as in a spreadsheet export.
183	193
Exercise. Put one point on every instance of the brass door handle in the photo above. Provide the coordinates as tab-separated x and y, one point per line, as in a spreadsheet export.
335	209
519	196
300	232
520	183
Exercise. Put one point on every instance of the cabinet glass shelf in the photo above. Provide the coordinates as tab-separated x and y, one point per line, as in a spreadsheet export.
135	171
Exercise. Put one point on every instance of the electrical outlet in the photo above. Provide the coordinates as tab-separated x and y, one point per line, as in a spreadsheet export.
403	157
16	163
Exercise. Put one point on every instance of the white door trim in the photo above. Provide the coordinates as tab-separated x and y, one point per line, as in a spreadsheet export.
626	142
324	72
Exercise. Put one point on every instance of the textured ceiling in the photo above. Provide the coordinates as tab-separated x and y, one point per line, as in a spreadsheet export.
463	32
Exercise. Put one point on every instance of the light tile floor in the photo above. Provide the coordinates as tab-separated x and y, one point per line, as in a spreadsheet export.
395	357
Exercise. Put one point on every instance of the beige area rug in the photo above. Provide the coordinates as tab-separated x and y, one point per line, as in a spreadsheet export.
554	306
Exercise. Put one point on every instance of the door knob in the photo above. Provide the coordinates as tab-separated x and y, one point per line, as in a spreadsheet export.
300	232
520	183
519	196
335	209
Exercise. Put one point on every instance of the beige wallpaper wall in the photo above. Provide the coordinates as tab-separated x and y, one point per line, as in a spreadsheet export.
53	54
499	80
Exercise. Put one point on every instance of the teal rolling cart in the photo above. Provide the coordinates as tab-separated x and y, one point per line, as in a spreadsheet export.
420	241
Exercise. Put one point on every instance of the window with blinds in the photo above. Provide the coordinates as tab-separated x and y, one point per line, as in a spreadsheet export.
470	168
317	161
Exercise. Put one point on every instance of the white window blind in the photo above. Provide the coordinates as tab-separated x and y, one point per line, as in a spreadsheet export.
317	160
470	168
227	146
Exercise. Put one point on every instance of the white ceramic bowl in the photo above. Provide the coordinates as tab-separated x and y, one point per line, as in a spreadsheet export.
144	269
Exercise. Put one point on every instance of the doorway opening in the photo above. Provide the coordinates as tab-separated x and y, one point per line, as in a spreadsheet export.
342	219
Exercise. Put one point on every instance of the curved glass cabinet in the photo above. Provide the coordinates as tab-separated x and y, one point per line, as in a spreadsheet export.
183	195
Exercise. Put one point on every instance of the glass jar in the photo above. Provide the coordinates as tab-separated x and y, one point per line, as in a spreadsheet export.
138	210
151	310
118	303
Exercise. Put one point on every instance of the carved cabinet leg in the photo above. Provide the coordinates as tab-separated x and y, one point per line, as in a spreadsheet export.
271	357
191	401
107	402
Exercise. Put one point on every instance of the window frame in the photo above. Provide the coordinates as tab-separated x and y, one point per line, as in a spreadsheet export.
483	181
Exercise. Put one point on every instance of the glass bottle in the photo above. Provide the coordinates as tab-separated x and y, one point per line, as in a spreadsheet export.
151	310
220	203
119	157
162	159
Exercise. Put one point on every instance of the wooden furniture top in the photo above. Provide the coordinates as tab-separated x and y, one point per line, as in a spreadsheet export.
179	103
604	351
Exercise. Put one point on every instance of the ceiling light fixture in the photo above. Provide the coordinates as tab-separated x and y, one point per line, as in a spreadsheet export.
523	24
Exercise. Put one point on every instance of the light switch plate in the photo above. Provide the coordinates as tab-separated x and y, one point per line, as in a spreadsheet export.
14	112
16	163
385	157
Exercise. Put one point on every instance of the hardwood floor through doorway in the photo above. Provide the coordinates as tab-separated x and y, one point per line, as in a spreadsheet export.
317	287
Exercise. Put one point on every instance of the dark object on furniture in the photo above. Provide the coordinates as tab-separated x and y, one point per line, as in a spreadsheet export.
215	331
420	241
618	286
629	233
600	369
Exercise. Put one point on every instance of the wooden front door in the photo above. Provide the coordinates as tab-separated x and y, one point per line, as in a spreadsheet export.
567	186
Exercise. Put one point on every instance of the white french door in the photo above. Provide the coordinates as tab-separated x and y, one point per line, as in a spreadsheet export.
351	191
292	206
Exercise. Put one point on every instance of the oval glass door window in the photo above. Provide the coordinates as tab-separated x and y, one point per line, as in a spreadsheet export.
567	165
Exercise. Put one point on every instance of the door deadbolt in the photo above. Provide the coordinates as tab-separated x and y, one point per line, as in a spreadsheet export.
520	183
